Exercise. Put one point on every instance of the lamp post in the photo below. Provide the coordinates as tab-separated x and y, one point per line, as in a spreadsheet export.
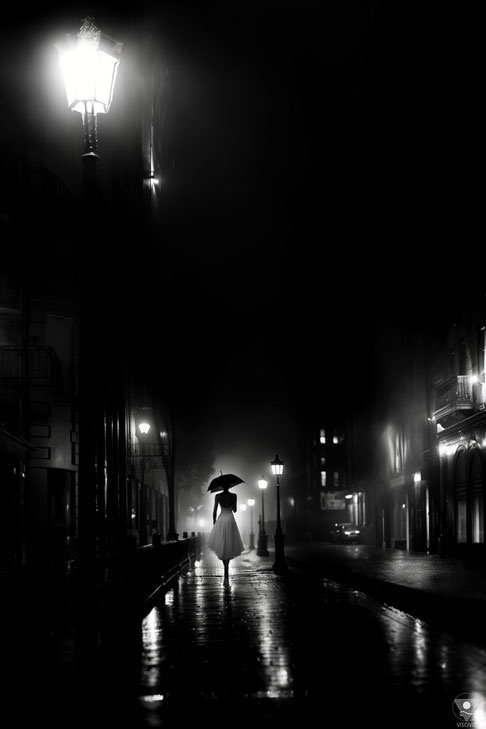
243	509
262	549
144	428
251	504
280	565
89	65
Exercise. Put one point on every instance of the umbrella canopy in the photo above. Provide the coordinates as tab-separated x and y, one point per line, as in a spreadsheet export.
226	479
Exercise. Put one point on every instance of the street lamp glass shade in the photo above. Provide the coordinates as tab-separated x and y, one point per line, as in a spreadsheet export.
89	66
243	507
277	466
251	502
144	427
262	483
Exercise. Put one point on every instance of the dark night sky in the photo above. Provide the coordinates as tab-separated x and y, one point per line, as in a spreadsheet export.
311	196
296	228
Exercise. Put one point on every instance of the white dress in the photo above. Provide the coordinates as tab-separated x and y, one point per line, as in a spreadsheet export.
225	539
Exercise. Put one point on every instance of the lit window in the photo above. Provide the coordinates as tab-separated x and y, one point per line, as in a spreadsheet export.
478	519
323	478
323	460
335	437
323	436
399	453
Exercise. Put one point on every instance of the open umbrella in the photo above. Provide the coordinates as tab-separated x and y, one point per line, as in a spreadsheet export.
226	479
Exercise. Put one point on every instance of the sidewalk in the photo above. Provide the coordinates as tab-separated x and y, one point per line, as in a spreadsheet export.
445	591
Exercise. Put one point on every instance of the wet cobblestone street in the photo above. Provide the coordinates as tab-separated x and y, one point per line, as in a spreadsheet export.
287	648
269	650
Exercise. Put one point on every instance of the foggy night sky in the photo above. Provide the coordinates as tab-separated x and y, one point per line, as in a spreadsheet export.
312	194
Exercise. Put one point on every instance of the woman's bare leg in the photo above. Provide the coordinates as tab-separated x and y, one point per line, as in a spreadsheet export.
226	569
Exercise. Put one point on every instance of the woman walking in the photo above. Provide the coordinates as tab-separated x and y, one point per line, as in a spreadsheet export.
225	539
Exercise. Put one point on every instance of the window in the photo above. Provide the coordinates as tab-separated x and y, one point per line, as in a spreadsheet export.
461	503
477	500
462	358
323	478
461	521
478	519
482	353
323	436
398	454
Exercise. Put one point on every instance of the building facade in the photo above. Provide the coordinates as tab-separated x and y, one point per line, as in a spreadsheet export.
460	423
68	392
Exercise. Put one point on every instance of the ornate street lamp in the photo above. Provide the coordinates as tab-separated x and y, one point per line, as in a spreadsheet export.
89	67
251	504
262	549
280	565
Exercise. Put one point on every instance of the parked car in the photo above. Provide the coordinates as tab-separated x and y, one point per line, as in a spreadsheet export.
345	533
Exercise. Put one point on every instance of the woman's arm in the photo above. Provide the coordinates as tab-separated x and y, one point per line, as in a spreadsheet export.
215	509
234	503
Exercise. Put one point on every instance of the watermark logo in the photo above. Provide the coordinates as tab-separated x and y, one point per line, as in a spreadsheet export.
465	707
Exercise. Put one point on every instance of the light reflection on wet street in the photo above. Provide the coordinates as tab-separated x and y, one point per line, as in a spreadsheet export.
298	644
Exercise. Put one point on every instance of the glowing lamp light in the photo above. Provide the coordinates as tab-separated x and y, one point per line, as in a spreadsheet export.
277	466
144	428
242	507
251	502
89	67
262	536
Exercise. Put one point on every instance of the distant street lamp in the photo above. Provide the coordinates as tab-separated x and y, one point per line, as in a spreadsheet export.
144	429
251	504
280	565
262	549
